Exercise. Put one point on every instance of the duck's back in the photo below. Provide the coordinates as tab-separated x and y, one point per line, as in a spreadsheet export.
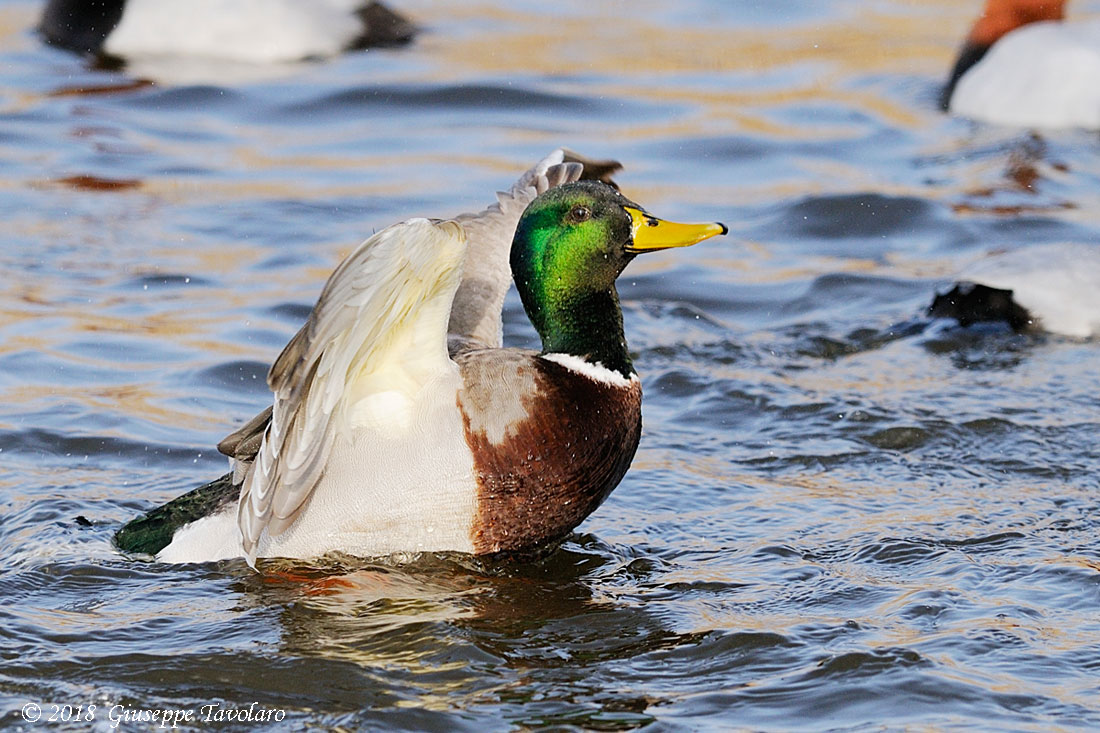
1043	74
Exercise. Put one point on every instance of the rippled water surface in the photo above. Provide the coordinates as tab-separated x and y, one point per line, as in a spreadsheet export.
840	517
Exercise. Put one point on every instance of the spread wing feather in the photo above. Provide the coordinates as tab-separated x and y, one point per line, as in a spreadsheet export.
367	299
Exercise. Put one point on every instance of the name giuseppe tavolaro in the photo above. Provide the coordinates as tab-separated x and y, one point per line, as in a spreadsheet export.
209	713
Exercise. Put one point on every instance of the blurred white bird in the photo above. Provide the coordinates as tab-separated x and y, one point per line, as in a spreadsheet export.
249	31
1021	65
1052	287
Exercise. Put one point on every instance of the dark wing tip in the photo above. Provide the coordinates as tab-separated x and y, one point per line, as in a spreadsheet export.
593	169
244	443
383	27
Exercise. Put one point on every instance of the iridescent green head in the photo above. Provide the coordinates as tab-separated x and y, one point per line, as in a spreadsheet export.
571	244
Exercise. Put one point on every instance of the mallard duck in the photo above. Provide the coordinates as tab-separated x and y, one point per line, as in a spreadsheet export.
401	424
1049	287
1021	65
255	31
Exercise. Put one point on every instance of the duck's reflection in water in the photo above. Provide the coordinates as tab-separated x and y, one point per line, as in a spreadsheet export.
460	631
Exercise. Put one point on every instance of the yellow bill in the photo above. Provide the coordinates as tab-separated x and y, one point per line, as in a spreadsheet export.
651	234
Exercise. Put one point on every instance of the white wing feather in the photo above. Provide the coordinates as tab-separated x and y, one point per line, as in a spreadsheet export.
384	309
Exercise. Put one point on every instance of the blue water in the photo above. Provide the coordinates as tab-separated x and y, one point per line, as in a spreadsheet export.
840	517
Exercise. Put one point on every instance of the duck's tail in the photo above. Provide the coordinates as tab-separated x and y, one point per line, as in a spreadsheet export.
153	532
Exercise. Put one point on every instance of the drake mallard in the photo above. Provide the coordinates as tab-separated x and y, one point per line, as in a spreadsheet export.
254	31
1022	65
401	424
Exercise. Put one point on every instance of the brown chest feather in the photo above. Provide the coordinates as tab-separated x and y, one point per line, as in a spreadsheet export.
543	467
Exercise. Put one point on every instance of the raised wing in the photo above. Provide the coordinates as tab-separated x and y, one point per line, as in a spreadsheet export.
475	317
382	312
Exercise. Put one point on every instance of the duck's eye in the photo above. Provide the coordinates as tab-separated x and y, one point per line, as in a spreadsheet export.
580	213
